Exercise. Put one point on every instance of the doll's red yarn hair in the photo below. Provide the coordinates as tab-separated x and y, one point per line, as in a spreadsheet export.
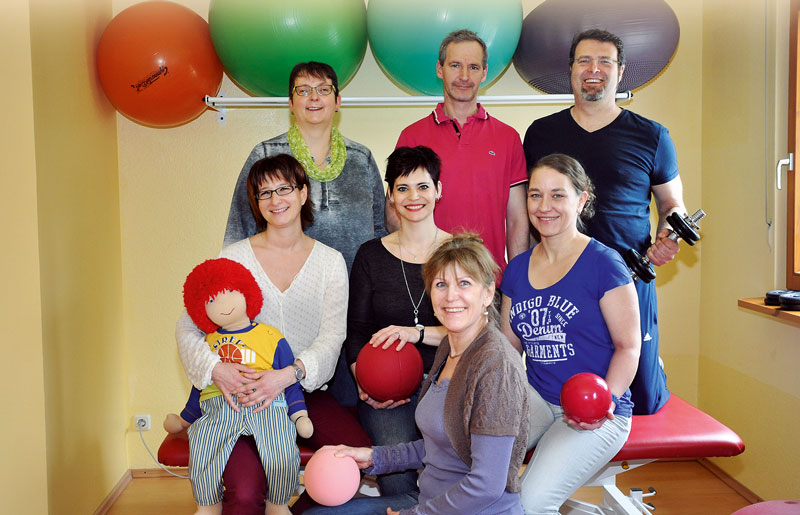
213	276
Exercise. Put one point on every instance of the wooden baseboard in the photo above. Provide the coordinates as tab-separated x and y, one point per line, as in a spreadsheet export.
142	473
114	494
723	476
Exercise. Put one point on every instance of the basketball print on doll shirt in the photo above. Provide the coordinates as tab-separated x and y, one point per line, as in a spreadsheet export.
231	349
230	353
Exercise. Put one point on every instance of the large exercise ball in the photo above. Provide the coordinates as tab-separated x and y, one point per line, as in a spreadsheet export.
260	41
405	36
156	62
648	28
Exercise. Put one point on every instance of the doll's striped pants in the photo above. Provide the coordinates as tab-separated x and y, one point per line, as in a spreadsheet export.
213	435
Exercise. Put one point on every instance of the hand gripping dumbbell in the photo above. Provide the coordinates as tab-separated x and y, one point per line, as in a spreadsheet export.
683	227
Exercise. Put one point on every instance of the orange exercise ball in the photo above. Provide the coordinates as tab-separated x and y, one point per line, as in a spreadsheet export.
156	62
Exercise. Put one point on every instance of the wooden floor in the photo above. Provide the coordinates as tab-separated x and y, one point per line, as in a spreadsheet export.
684	488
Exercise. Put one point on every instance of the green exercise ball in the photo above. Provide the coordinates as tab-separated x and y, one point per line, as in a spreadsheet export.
405	36
260	41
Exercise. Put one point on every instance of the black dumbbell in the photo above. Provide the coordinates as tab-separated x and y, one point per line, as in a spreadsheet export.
683	227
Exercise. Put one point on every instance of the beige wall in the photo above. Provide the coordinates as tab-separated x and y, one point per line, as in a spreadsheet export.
748	366
23	478
85	359
122	212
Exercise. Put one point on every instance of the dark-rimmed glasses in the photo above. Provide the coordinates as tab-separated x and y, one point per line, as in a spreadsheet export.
281	191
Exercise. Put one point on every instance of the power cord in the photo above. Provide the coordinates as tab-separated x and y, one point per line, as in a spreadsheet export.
154	458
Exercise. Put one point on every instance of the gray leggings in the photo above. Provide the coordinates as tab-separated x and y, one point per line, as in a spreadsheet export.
565	457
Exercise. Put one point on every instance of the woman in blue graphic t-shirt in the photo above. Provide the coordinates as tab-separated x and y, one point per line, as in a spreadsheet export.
570	305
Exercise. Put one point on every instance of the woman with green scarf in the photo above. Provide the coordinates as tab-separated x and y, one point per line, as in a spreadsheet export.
346	189
348	201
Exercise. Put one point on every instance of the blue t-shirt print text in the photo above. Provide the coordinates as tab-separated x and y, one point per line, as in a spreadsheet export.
540	323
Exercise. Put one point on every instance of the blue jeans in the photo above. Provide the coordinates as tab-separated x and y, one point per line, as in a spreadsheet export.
368	505
565	457
342	385
388	427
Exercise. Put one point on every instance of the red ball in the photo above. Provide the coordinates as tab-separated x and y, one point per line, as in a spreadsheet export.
156	62
329	480
585	397
389	374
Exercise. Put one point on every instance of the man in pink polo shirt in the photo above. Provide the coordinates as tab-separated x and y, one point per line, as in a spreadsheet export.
483	165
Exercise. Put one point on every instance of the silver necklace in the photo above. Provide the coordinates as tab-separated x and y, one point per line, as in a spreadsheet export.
405	279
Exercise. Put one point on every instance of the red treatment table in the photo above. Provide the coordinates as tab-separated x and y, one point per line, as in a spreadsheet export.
678	430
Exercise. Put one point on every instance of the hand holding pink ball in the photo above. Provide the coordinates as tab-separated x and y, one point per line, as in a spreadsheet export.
331	480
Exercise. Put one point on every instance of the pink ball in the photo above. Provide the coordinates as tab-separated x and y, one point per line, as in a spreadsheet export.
329	480
389	374
585	397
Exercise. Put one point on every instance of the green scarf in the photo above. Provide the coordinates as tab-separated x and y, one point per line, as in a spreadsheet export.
301	153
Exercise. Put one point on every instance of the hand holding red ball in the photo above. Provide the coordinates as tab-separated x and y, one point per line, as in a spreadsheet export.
586	400
389	374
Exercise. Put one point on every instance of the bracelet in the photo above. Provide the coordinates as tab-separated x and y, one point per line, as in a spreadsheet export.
421	329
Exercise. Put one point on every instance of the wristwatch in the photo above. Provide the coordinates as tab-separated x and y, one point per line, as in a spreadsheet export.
421	329
298	372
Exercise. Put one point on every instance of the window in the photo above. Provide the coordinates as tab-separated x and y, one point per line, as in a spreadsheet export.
792	200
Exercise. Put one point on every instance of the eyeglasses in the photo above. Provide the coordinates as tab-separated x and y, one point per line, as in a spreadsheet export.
322	90
281	191
604	62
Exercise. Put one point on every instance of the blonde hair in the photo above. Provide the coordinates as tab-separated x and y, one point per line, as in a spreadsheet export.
468	252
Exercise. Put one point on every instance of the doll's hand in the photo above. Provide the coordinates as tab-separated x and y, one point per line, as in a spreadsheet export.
266	387
174	424
304	427
228	378
402	334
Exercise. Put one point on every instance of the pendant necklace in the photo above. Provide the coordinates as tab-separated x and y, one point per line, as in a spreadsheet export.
405	279
456	354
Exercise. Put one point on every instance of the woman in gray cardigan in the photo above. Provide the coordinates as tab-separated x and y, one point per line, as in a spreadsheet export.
473	407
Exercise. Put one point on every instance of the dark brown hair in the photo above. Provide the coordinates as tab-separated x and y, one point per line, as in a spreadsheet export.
281	166
316	70
572	169
404	160
603	36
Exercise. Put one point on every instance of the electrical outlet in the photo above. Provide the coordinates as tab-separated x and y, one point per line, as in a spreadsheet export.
141	422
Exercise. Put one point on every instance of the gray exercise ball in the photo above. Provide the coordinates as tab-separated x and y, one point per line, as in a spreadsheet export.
649	31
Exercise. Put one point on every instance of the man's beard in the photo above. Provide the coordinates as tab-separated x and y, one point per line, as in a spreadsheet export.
593	96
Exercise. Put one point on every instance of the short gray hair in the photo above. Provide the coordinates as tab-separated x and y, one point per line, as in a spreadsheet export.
462	36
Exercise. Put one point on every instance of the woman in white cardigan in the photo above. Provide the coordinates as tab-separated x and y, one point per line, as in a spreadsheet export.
304	284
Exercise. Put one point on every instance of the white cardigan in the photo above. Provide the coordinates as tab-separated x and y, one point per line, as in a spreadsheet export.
311	314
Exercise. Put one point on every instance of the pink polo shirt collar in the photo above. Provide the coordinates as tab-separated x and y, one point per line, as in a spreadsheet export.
440	117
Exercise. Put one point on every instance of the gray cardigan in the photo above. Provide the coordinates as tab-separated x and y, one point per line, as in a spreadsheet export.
487	395
347	210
